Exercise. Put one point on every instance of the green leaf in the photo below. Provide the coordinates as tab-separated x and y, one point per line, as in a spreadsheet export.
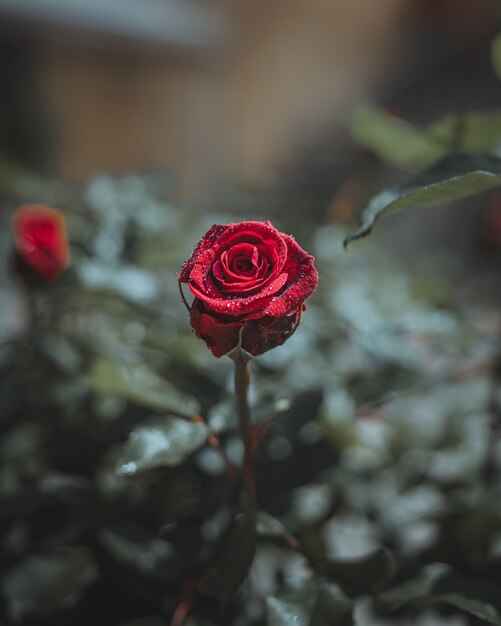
308	601
159	442
454	177
478	608
480	131
422	590
331	607
392	139
411	147
365	575
141	385
237	556
42	585
414	588
496	55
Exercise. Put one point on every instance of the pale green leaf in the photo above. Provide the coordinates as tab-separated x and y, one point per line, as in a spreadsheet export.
44	584
268	526
160	442
496	55
141	385
412	147
393	140
308	601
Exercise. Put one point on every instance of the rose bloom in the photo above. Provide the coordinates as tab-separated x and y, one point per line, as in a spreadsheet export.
41	243
249	278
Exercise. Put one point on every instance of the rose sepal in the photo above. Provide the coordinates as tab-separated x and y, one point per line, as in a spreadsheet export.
238	354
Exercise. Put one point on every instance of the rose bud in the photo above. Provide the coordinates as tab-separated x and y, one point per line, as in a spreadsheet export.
42	250
250	282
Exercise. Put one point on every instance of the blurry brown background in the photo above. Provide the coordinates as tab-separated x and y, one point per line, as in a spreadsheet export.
223	91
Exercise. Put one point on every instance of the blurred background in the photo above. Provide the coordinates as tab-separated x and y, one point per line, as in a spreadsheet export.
226	92
147	122
241	99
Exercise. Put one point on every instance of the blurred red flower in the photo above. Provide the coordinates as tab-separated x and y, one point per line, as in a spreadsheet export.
41	242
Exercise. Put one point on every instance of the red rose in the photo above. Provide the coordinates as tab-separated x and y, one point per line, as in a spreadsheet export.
42	248
247	275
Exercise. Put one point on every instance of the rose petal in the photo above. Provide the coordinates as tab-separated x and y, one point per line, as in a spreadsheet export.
303	278
232	306
258	336
221	338
226	271
207	242
283	275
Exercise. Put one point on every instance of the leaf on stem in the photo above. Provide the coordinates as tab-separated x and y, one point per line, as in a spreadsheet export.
453	178
238	553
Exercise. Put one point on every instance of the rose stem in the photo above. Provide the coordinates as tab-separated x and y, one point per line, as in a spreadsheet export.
242	377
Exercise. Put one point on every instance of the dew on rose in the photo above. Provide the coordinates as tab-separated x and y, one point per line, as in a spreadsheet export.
248	298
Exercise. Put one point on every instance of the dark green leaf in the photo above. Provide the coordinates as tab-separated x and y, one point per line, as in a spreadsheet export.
159	442
415	588
41	585
422	590
331	607
478	608
309	601
141	385
454	177
237	555
365	575
153	562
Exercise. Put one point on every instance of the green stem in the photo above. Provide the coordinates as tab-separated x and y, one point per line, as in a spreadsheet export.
242	378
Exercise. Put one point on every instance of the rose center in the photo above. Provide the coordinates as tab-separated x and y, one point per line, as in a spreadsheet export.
243	265
241	268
